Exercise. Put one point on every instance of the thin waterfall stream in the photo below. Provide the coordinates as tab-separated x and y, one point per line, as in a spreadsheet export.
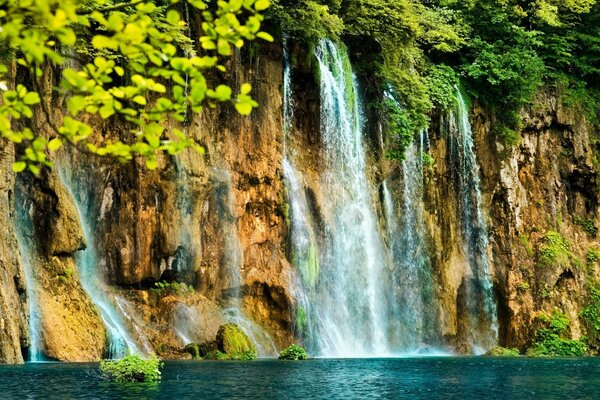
120	340
482	329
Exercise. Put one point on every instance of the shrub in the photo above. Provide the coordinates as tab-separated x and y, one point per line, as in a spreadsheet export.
550	340
591	318
293	352
216	355
132	368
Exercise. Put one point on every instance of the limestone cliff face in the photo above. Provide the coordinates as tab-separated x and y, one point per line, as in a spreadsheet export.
546	185
14	333
219	222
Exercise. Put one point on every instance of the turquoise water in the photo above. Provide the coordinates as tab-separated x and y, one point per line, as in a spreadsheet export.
404	378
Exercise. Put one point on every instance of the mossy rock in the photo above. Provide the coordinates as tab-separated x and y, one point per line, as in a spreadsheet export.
216	355
231	340
194	350
207	348
499	351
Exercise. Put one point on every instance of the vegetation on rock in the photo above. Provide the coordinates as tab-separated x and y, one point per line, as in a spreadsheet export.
499	351
552	339
232	341
293	352
132	368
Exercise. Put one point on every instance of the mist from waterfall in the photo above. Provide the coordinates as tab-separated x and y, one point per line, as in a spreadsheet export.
23	230
120	340
414	309
481	318
232	261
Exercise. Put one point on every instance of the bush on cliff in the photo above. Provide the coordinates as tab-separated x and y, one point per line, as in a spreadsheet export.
132	368
551	340
293	352
499	351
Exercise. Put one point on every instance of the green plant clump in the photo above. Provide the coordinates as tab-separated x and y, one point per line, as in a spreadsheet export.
132	368
588	226
555	250
232	341
551	340
293	352
591	319
593	256
173	288
499	351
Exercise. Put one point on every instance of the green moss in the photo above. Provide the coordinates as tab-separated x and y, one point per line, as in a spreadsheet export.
132	368
171	288
232	341
300	320
293	352
555	250
216	355
592	256
194	350
524	238
308	263
499	351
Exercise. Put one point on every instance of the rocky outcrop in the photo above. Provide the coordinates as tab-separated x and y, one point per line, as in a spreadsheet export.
14	331
47	221
545	187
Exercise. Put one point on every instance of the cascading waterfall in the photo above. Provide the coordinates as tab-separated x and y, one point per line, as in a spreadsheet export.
232	262
303	241
120	341
23	228
349	297
413	314
482	329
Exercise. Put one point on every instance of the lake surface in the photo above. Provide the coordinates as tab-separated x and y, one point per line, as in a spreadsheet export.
402	378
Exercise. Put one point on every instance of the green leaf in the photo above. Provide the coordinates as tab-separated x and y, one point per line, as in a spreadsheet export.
19	166
246	88
243	108
265	36
261	5
151	163
54	144
31	98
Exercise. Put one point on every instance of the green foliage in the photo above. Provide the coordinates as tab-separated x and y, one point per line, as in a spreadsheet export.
398	127
555	250
499	351
588	225
130	70
216	355
307	19
592	256
442	81
551	341
591	318
293	352
132	368
171	288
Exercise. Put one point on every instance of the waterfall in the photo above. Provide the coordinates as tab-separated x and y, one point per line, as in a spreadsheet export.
414	309
23	229
482	324
303	240
349	295
120	341
232	262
